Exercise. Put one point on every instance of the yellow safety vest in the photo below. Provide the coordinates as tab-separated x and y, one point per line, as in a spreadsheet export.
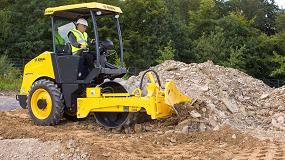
80	37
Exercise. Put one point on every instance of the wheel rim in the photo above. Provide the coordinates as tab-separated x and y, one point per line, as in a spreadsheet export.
41	104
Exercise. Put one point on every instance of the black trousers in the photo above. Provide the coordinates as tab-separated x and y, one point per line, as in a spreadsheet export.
89	59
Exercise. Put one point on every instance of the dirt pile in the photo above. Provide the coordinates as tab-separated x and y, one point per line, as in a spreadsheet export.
222	95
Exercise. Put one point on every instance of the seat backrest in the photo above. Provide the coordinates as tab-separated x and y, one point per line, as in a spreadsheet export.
64	48
63	30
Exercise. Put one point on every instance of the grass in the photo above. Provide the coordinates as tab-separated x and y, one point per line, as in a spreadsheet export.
10	84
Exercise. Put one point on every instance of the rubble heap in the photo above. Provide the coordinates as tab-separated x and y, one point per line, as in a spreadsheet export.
222	95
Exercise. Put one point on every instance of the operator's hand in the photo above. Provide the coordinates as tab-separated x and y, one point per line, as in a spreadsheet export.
83	47
92	41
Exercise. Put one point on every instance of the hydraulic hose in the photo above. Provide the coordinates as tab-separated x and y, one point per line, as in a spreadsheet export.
157	77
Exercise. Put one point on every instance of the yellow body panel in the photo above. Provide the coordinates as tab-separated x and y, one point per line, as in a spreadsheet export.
158	103
116	104
91	5
41	66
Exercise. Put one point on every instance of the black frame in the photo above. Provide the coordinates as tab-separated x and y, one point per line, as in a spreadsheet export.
94	22
71	85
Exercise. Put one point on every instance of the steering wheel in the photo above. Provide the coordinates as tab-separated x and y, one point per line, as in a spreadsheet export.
106	47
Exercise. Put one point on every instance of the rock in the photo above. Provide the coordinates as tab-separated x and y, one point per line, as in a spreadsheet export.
222	145
127	130
184	69
138	128
71	144
202	127
1	138
195	114
204	110
231	106
213	121
280	120
216	128
193	126
263	112
83	156
182	124
171	68
212	106
234	136
185	130
148	128
204	88
243	110
251	113
169	132
71	150
106	154
173	140
263	96
280	108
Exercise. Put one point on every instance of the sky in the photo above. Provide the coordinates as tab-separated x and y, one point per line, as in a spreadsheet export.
280	3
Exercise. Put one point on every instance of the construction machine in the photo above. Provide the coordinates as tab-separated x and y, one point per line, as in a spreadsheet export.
58	83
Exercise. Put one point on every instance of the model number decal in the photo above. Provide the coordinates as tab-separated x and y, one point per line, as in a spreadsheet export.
39	59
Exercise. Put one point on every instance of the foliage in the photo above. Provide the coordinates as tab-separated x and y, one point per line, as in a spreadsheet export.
280	21
243	34
6	68
9	75
167	53
9	84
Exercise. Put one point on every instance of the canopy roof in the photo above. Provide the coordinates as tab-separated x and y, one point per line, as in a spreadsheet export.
81	10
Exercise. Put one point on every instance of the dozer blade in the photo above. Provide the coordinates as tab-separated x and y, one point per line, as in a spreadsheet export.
173	95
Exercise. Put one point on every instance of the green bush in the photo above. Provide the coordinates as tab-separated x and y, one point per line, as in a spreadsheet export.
9	84
9	75
7	70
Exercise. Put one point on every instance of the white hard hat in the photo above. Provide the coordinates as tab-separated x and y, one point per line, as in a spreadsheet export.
82	21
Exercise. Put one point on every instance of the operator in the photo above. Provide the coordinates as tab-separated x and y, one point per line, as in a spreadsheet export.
79	41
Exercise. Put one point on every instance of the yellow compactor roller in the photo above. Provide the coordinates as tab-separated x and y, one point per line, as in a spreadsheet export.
57	84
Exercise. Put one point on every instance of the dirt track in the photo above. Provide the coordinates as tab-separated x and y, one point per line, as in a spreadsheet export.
86	140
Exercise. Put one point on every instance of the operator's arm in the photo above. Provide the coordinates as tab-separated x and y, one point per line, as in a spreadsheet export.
72	40
89	41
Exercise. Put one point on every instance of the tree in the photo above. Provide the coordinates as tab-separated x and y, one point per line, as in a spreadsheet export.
277	42
167	53
263	12
145	31
280	21
203	18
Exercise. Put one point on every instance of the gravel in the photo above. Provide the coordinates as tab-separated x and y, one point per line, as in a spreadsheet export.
222	96
32	149
8	103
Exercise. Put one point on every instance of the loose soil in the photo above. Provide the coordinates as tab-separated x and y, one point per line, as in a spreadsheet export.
86	140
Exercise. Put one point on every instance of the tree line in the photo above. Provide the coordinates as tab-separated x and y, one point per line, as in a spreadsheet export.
248	35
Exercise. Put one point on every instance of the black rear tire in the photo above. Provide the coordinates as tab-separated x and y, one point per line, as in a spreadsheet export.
55	114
